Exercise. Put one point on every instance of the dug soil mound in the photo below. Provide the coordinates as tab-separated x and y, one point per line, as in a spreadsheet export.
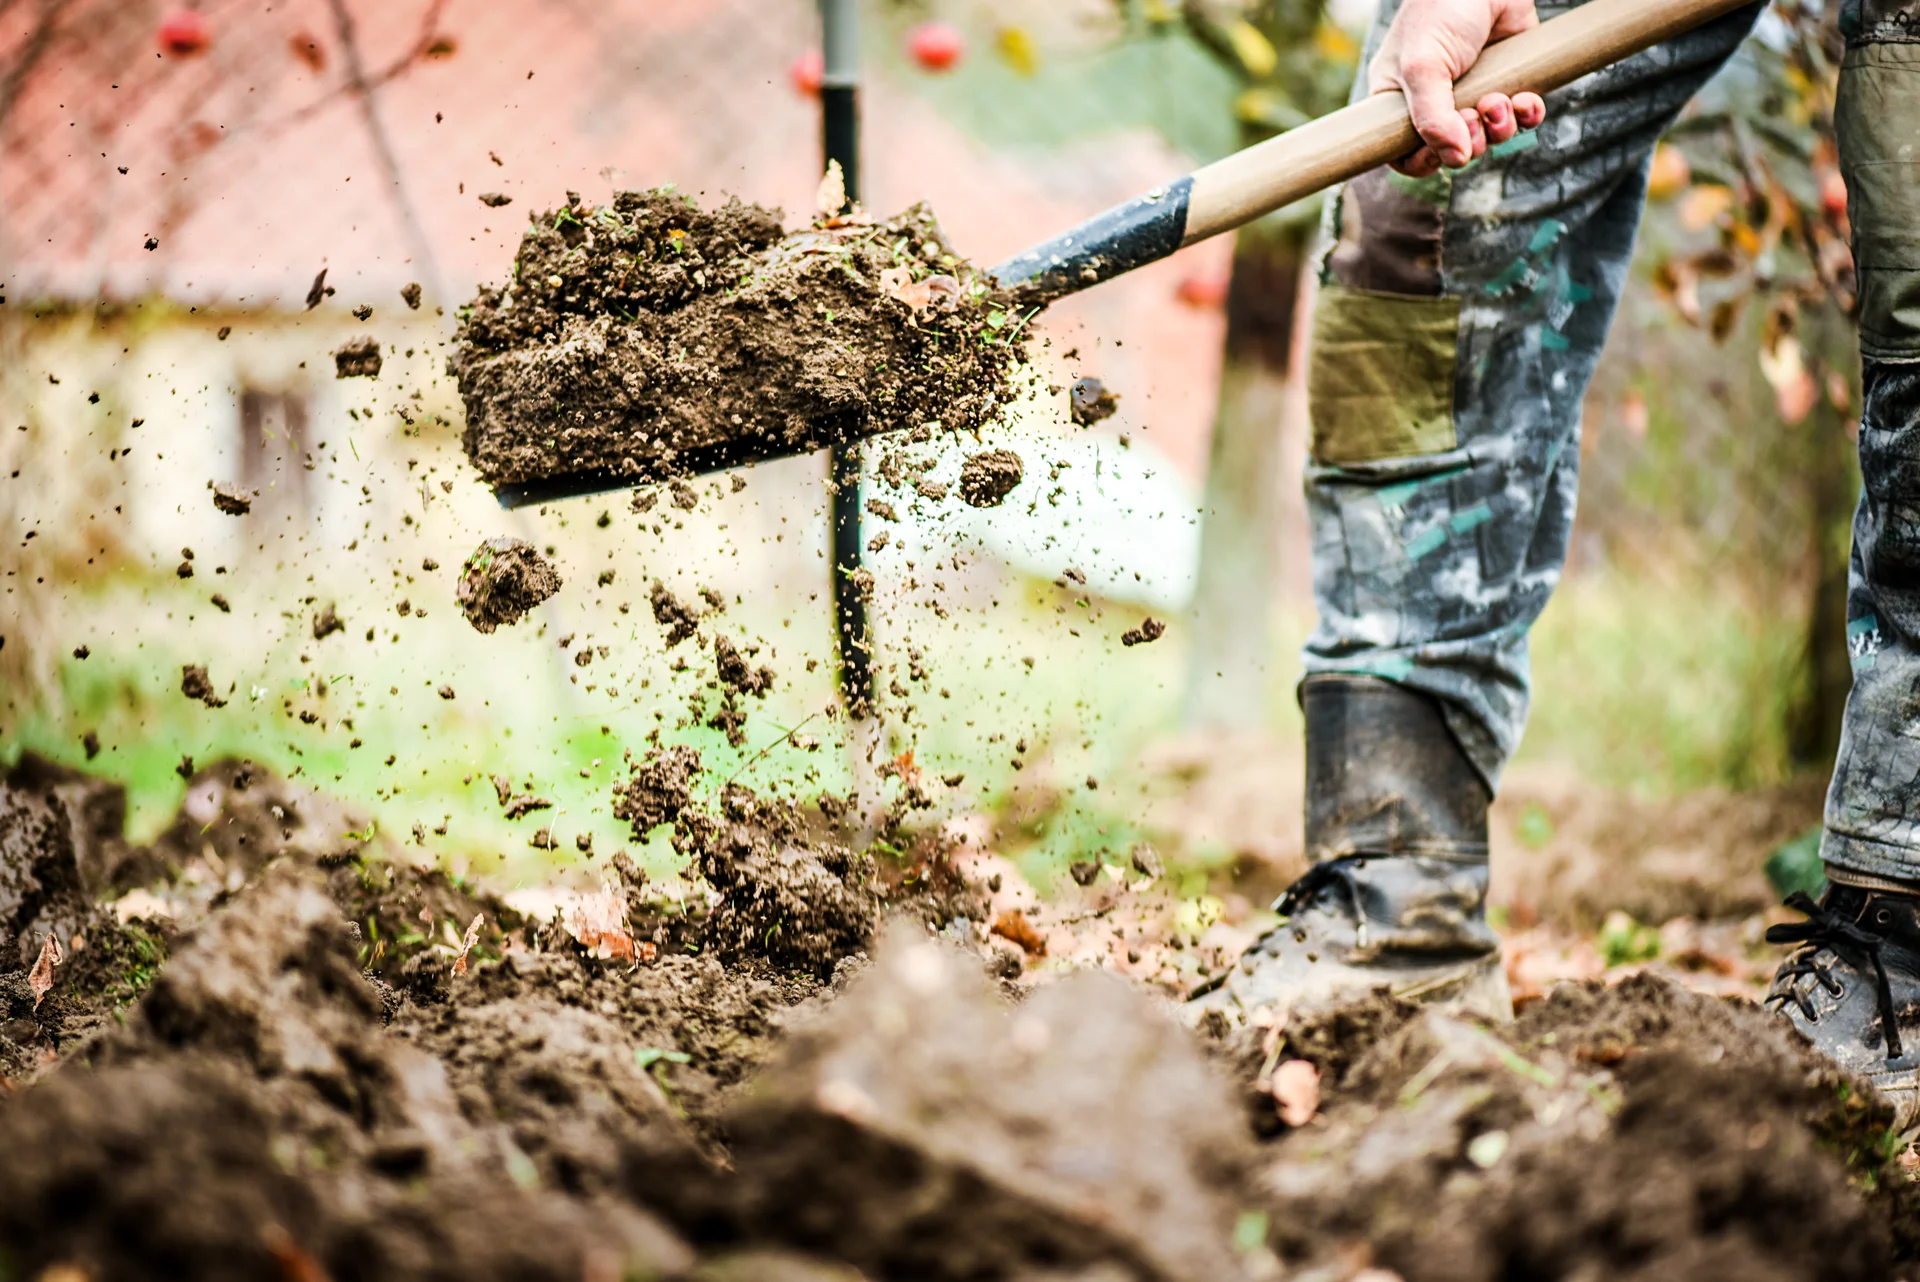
324	1063
649	336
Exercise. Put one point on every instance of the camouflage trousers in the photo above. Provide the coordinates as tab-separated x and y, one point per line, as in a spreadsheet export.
1458	323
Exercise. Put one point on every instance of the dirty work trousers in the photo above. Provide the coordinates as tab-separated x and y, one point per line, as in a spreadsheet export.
1457	326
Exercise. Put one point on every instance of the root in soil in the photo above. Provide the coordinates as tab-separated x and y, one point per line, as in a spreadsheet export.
647	332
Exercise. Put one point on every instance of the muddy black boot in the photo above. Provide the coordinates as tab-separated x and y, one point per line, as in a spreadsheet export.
1396	897
1853	987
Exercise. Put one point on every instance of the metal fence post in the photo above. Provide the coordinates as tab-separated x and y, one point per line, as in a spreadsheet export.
840	134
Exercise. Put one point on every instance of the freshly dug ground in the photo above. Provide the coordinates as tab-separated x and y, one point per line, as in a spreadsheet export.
648	337
301	1074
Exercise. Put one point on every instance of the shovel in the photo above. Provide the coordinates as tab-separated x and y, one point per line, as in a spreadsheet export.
1241	187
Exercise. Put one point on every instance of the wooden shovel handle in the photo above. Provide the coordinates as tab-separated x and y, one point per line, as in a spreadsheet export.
1241	187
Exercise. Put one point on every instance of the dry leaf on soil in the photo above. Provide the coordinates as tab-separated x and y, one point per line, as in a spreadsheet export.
1014	925
1296	1091
466	945
599	922
40	978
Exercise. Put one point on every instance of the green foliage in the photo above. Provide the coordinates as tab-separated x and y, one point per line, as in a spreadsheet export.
1796	865
1624	941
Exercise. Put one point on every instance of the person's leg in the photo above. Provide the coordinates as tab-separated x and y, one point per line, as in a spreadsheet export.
1458	323
1854	985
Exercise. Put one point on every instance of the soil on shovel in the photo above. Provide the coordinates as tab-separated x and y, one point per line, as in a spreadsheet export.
649	336
320	1066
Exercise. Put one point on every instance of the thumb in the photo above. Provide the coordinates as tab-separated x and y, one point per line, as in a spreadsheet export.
1429	86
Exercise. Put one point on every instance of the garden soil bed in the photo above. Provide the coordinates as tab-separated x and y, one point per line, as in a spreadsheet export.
275	1050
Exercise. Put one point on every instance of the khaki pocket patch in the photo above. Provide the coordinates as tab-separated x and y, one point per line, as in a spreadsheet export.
1874	119
1380	377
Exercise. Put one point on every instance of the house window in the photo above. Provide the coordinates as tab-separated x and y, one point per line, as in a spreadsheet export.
274	427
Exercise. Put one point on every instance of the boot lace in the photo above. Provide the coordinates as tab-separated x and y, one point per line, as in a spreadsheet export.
1830	935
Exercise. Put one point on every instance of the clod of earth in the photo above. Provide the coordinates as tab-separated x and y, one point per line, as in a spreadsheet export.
660	787
679	619
326	622
1089	401
1150	629
495	199
647	333
736	673
357	358
410	295
234	500
195	684
989	476
347	1066
502	580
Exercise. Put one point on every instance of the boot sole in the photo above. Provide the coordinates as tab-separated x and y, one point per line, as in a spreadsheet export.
1478	987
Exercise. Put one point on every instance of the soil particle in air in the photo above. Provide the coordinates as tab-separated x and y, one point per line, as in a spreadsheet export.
357	358
1150	629
989	476
502	580
787	892
642	329
679	619
326	622
1089	401
410	295
659	788
234	500
736	673
195	684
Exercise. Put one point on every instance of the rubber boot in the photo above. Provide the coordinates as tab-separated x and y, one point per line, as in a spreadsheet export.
1853	987
1396	896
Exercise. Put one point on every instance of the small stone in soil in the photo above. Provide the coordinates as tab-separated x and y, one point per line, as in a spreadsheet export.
357	358
232	499
989	476
195	684
1150	629
502	580
1090	401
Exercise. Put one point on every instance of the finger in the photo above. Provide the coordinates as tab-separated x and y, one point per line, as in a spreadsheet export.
1440	125
1476	132
1511	18
1496	113
1419	163
1529	109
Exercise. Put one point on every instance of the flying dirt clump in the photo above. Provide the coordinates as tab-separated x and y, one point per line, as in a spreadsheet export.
357	358
788	892
660	787
650	336
502	580
195	684
989	476
670	612
234	500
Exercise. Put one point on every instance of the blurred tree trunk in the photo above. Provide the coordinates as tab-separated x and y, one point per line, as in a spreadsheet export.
1239	524
1813	719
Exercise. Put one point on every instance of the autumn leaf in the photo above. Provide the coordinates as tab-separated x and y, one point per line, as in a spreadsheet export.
1013	925
40	978
466	944
599	922
1296	1091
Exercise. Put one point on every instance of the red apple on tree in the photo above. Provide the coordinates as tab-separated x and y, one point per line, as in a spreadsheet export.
807	72
936	46
184	32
